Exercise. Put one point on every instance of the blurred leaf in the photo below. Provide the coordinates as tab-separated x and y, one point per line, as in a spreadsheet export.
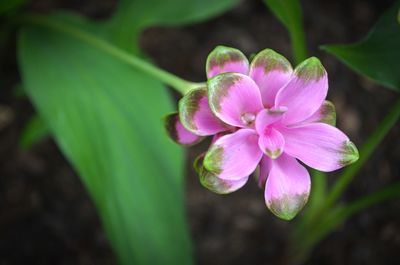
173	12
378	55
132	16
7	6
106	118
19	91
289	13
34	131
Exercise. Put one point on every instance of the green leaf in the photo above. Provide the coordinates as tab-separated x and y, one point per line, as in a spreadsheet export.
34	131
378	55
132	16
173	12
290	14
107	119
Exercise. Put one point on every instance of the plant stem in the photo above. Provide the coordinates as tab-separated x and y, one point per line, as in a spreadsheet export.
298	44
290	13
315	204
180	85
365	152
339	214
318	192
302	243
354	207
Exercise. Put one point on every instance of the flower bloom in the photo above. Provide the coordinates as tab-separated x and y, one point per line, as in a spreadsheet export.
266	115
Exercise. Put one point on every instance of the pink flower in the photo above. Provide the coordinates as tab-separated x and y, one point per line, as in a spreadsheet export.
265	114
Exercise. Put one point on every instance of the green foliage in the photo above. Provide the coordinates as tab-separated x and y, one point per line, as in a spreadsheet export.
289	13
9	6
378	55
34	131
173	12
106	117
132	16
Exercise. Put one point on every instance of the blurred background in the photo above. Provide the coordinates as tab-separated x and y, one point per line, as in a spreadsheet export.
47	217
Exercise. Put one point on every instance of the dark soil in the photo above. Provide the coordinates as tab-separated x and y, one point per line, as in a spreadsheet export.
46	216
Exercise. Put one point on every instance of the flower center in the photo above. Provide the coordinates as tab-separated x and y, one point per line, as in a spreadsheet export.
248	118
267	130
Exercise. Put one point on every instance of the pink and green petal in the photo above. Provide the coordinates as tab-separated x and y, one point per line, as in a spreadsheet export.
196	115
304	94
213	182
234	98
325	114
177	132
234	156
271	142
287	187
225	59
320	146
271	71
263	171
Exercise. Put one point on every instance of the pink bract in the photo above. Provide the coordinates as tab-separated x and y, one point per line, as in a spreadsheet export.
266	115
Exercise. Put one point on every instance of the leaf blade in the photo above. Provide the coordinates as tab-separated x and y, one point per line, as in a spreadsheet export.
138	15
110	133
378	54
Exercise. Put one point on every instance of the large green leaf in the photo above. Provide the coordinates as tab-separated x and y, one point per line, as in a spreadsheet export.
132	16
289	13
378	55
106	118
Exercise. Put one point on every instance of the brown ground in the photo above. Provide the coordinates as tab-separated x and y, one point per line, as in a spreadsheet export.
46	216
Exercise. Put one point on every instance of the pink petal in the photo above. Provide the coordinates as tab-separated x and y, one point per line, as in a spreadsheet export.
263	172
325	114
234	98
225	59
178	133
234	156
213	182
287	188
320	146
271	71
271	142
196	115
305	92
